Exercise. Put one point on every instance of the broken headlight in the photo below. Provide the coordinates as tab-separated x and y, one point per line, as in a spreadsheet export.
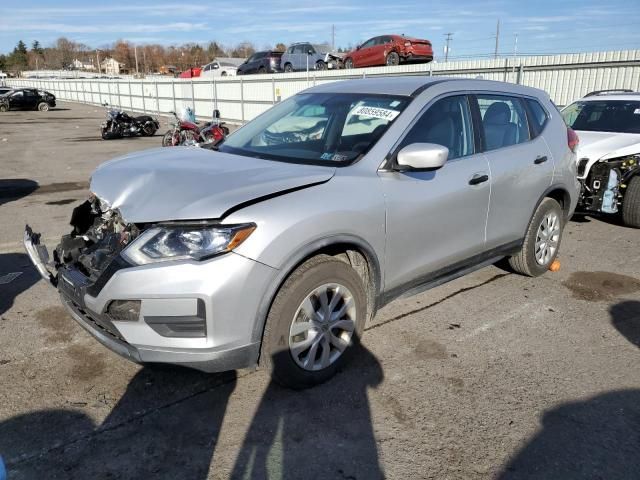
161	244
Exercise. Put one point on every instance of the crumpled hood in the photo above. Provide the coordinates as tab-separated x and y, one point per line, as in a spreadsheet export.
187	183
606	145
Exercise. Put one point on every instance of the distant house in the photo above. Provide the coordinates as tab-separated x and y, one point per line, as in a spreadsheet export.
110	66
78	65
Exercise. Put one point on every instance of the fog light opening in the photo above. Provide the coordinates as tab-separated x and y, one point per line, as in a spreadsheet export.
124	310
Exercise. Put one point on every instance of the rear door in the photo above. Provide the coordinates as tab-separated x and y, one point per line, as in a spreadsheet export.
31	99
16	99
521	166
436	219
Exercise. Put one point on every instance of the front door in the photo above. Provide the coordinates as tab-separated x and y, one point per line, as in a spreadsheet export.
363	54
16	100
521	167
437	218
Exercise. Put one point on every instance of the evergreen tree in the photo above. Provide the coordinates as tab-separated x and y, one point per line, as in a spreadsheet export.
36	47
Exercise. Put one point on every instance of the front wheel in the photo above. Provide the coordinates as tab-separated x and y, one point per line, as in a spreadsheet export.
4	108
320	65
288	68
631	203
542	240
43	106
170	139
149	130
314	322
348	63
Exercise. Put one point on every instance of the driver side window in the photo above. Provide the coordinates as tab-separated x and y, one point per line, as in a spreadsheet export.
448	123
369	43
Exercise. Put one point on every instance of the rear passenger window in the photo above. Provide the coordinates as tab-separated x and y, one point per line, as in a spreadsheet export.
538	114
504	121
447	122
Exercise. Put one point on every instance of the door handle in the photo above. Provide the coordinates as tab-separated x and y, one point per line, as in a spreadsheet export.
540	160
477	178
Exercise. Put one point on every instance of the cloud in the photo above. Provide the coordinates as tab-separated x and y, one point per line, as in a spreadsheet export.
65	28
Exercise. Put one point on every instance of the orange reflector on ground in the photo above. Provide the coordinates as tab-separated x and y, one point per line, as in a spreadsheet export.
555	266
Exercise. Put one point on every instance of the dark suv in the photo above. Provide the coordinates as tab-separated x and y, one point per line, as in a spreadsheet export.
261	62
27	99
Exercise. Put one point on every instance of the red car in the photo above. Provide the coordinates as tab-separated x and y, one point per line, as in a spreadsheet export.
191	72
389	50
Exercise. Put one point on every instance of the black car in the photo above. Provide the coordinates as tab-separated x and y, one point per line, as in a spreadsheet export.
27	99
261	62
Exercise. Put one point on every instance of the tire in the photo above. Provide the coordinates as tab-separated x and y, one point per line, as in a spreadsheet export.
43	106
529	261
318	273
393	59
223	74
167	139
288	68
320	65
149	130
631	203
348	63
262	70
4	108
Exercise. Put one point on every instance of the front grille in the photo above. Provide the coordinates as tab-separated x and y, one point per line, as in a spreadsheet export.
582	166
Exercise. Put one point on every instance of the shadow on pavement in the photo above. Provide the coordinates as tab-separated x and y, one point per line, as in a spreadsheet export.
10	265
625	317
167	426
322	432
593	439
16	188
141	438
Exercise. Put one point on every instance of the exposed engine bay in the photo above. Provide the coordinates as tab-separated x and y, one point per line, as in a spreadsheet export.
603	186
99	235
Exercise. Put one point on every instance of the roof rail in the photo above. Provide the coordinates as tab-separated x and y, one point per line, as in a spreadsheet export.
612	90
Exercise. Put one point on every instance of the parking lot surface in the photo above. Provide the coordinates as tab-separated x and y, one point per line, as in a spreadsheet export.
493	375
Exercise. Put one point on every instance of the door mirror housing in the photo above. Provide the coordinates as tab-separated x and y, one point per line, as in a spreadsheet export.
216	113
422	156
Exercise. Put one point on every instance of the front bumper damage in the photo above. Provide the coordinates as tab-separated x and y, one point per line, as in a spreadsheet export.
190	313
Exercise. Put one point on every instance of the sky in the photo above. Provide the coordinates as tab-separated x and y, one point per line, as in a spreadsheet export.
541	26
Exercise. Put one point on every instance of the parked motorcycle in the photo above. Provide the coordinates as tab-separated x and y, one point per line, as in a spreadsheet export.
185	132
120	123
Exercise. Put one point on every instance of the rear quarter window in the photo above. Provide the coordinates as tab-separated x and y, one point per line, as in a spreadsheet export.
538	116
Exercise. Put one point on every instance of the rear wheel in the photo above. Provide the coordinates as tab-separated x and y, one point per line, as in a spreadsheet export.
4	108
631	203
320	65
542	240
43	106
348	63
393	59
223	74
314	322
262	70
288	68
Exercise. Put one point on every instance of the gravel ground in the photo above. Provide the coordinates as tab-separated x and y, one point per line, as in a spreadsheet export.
493	375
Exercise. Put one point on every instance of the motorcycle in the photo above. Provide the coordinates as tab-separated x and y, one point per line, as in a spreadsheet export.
185	132
119	124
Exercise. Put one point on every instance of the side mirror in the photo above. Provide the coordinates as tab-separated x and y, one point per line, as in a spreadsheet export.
216	113
422	156
309	52
358	47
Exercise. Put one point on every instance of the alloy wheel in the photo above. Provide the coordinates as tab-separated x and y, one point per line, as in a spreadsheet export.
547	238
322	327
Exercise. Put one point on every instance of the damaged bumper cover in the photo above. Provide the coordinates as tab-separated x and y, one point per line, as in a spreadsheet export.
190	313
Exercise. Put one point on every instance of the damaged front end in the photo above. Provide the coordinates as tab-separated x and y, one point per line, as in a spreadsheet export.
98	236
603	185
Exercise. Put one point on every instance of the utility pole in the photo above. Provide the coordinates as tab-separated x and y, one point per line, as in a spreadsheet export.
495	53
135	53
98	60
515	52
446	48
333	37
144	61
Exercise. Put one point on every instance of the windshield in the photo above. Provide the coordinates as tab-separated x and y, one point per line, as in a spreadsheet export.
318	128
621	116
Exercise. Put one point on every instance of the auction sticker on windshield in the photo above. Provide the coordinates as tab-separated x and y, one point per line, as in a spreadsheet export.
376	112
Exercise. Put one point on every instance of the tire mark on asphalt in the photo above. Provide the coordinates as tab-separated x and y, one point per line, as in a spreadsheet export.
438	302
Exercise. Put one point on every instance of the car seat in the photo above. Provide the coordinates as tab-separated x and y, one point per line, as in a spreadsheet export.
499	130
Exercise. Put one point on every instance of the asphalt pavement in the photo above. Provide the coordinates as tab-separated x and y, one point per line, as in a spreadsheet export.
493	375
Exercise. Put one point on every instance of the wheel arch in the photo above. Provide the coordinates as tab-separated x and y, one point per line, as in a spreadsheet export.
348	248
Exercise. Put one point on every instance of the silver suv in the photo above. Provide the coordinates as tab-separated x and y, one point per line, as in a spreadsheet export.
277	247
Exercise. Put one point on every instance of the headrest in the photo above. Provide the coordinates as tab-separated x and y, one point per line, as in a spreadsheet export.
498	112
